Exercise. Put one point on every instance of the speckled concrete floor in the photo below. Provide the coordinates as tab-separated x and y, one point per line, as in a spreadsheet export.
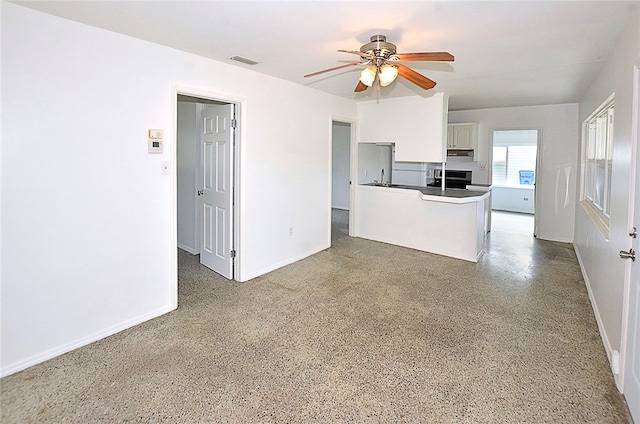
339	224
362	332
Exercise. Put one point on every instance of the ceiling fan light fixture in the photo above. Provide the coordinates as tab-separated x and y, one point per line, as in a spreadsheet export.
368	75
388	74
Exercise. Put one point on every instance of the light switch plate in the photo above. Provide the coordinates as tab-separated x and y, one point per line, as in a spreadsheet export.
155	134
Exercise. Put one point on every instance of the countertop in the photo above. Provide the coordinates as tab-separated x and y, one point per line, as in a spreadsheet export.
479	187
449	195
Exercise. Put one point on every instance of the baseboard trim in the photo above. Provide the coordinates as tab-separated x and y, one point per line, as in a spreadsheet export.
68	347
288	261
188	249
612	355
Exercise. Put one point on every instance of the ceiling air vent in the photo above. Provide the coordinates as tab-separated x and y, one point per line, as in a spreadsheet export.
244	60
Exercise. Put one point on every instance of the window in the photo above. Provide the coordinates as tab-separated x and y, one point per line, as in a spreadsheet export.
514	158
596	163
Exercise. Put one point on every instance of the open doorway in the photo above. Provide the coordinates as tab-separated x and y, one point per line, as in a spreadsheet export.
513	177
340	179
205	158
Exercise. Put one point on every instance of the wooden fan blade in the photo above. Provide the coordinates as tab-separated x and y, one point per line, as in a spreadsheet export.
333	69
361	54
416	78
426	57
360	87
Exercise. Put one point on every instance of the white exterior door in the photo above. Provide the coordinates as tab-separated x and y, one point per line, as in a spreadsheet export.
216	251
631	385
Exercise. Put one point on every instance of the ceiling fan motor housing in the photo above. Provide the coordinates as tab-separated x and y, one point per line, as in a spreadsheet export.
379	47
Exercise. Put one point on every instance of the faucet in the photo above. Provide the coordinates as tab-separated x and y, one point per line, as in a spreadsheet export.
382	176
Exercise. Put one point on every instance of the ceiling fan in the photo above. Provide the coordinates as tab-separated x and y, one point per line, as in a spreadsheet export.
384	63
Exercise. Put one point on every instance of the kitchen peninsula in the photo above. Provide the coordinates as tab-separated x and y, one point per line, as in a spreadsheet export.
449	222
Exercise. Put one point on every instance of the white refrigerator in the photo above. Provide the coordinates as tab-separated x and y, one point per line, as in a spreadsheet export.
408	173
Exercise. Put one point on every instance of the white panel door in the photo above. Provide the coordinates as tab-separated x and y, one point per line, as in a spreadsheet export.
217	189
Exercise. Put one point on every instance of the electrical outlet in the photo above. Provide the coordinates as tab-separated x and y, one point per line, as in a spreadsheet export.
482	166
290	231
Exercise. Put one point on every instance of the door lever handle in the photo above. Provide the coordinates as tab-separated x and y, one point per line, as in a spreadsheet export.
631	254
200	192
633	233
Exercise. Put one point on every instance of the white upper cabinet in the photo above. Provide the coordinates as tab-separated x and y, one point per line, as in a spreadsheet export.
462	136
417	126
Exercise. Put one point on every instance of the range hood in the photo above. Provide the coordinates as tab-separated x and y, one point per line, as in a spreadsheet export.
460	152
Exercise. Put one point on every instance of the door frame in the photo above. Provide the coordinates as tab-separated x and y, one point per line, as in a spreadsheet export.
537	170
352	166
237	172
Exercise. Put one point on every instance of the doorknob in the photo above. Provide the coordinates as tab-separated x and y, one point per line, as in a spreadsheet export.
200	192
631	254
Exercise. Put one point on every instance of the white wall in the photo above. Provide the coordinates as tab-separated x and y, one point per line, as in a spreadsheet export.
372	159
186	164
417	125
556	180
603	270
341	165
513	199
88	221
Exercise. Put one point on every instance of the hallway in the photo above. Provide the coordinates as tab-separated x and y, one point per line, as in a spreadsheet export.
361	332
339	224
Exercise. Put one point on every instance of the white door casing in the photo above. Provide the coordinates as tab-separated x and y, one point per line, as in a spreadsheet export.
631	317
217	188
499	134
536	192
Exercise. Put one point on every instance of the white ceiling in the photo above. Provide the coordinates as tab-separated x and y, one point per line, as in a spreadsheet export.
507	53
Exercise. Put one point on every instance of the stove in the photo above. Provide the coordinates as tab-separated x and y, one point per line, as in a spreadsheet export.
453	179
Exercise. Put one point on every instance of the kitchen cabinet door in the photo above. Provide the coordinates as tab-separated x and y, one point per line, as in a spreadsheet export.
450	134
462	136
